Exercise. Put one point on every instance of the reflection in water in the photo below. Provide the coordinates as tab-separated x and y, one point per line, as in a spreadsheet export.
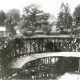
54	60
47	68
38	69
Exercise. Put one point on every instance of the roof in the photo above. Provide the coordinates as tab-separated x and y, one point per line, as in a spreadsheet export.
20	62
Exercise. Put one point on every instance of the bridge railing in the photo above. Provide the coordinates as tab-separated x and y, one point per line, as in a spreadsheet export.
32	46
27	46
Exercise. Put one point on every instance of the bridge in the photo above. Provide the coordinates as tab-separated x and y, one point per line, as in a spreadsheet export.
29	61
18	53
20	62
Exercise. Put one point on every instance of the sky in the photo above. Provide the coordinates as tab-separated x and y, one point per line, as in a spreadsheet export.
50	6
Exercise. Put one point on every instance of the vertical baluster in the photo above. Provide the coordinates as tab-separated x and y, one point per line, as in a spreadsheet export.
42	45
78	45
38	45
30	46
26	50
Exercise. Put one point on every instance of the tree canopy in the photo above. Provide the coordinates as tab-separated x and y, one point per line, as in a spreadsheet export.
64	18
76	15
34	19
2	17
12	19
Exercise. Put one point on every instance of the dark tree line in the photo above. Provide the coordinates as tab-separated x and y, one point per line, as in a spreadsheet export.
66	22
33	19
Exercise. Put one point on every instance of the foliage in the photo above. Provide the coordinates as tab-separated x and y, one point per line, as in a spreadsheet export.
12	18
34	19
64	18
76	16
2	17
5	55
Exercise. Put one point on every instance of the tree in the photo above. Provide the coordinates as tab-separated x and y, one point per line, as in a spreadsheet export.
34	19
64	19
12	19
2	17
76	16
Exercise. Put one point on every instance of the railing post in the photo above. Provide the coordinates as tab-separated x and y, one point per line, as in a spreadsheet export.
30	45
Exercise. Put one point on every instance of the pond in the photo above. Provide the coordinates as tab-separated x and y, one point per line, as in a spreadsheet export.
43	69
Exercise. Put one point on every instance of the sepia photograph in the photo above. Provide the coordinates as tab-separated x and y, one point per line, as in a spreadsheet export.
39	40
